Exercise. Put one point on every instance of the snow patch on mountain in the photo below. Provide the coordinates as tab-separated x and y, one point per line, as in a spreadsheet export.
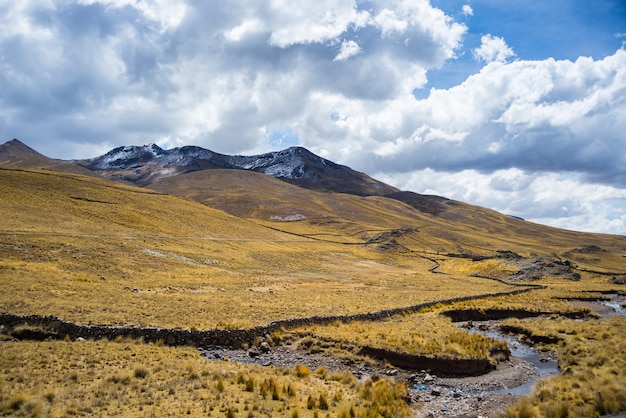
122	157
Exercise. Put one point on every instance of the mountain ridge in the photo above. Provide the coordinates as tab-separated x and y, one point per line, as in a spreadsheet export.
148	165
145	164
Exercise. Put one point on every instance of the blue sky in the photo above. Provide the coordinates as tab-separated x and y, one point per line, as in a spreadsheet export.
535	30
516	106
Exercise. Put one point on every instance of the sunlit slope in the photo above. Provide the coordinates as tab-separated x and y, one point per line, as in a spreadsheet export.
333	216
93	251
467	229
70	204
441	226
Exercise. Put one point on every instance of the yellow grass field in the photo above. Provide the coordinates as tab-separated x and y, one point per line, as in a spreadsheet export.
91	251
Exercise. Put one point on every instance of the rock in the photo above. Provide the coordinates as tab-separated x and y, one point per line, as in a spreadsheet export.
254	353
435	392
265	347
428	378
392	372
79	339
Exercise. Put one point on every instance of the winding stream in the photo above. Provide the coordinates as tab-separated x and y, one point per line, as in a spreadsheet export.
543	365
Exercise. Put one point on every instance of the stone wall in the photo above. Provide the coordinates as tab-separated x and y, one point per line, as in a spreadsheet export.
54	327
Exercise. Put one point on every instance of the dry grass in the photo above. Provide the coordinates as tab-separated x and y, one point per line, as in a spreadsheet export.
129	378
176	263
92	251
428	334
592	360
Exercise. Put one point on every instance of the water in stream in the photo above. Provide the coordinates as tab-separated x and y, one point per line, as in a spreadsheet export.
545	367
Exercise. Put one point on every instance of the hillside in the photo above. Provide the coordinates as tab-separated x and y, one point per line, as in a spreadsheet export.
244	264
67	236
245	231
143	165
75	246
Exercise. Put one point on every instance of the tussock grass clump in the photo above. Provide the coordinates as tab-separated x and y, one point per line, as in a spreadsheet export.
592	360
130	378
387	398
302	371
428	334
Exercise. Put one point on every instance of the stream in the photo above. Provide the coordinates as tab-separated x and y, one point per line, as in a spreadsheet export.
544	365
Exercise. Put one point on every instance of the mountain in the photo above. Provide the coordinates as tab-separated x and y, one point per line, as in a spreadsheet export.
143	165
15	154
171	253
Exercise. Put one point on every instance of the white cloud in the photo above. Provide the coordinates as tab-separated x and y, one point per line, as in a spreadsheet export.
339	75
167	13
247	28
348	49
556	199
309	21
493	48
467	10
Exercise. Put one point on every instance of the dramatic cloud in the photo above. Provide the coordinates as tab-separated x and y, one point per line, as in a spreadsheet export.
339	77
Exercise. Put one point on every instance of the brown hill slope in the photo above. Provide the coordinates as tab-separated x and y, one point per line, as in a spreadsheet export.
431	224
16	154
92	250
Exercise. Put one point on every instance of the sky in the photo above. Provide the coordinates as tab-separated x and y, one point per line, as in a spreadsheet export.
515	106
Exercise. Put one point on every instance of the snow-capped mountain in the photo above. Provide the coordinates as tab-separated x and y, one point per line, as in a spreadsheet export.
145	164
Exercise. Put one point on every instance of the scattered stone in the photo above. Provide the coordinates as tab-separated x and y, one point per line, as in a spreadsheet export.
265	347
254	353
435	392
221	289
428	378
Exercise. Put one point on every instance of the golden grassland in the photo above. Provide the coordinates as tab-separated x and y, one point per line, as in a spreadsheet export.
169	284
130	378
95	252
428	334
176	263
592	360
